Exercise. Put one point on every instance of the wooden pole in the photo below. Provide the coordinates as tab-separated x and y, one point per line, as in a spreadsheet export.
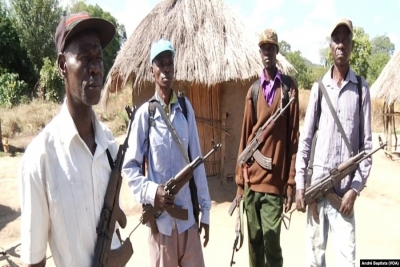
223	171
1	140
392	120
386	122
389	132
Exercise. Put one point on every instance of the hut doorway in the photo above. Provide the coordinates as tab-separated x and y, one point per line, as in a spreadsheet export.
206	102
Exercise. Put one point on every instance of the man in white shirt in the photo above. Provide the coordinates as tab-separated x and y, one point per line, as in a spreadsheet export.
65	170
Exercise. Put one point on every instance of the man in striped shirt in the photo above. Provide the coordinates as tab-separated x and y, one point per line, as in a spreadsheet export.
341	85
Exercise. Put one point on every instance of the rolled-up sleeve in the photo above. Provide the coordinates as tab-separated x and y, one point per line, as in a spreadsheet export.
143	189
200	177
362	174
304	148
35	220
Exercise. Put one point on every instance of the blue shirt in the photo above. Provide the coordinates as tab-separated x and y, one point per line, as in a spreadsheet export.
164	161
332	150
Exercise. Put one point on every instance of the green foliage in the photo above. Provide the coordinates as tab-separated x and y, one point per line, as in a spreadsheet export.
376	64
361	52
110	53
315	73
299	63
11	89
14	58
51	85
382	48
284	47
36	21
382	44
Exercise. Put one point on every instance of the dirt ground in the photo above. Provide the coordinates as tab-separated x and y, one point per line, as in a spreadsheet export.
377	216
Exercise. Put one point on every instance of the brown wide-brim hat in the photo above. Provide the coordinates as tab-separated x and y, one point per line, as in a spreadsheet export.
73	24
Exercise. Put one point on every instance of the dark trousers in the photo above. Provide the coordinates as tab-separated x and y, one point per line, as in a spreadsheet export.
264	228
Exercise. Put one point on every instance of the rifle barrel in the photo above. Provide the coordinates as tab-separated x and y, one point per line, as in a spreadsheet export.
372	152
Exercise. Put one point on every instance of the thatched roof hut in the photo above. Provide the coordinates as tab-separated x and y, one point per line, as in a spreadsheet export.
387	87
215	53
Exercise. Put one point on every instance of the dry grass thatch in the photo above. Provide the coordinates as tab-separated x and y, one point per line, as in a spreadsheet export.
212	46
387	86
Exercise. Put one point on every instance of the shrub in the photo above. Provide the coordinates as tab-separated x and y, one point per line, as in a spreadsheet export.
11	89
51	85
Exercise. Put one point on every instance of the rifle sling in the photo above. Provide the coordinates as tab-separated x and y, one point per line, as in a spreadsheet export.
176	139
240	225
335	117
172	130
192	184
110	160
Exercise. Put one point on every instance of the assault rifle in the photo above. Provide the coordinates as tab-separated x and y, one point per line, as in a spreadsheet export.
173	186
111	212
324	188
261	135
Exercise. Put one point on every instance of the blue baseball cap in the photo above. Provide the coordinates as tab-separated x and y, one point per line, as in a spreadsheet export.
159	47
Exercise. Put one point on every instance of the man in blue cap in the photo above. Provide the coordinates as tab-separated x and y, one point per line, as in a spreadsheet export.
173	242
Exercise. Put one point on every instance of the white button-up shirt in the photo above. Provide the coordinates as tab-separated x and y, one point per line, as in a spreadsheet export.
62	188
165	160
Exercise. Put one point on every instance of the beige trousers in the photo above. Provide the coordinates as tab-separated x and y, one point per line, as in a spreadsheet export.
183	250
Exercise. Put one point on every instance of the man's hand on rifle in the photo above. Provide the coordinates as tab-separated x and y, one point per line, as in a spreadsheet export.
346	208
239	198
163	200
288	202
206	228
300	203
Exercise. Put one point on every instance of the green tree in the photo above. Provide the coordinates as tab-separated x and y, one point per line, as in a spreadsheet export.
382	44
36	21
51	86
376	64
299	63
11	89
14	58
361	52
112	49
381	51
284	47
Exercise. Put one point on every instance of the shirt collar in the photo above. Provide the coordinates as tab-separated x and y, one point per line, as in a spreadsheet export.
68	130
173	100
263	77
351	76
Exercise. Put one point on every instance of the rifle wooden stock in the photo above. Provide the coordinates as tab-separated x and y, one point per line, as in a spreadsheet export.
334	199
173	186
120	256
111	213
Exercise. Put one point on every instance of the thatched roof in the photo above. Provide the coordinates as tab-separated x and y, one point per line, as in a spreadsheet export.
212	45
387	86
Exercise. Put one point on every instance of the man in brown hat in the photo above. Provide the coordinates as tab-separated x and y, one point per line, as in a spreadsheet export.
350	98
65	170
267	187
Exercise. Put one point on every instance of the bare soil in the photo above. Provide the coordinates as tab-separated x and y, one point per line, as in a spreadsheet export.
377	216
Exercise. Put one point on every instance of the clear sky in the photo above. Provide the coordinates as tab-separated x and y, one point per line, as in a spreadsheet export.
304	24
